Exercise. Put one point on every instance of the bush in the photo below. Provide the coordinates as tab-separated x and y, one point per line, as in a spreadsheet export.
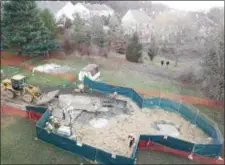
144	58
134	49
153	49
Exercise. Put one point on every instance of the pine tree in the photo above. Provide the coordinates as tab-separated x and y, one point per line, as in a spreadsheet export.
153	48
134	49
49	21
23	28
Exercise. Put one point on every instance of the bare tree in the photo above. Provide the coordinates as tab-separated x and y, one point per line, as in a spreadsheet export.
67	41
213	65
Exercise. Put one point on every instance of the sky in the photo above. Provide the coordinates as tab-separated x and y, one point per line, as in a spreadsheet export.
192	5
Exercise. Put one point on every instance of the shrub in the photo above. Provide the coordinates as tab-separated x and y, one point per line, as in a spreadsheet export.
134	49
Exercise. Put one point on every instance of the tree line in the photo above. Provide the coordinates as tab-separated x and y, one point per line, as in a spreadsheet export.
26	28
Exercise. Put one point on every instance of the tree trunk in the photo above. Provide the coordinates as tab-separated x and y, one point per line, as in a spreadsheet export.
176	61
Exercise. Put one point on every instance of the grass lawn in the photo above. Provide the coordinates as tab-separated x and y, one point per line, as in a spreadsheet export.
216	114
37	79
18	145
127	78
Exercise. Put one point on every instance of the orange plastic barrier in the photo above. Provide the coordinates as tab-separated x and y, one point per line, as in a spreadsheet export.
183	98
12	59
144	144
13	111
10	110
34	115
186	99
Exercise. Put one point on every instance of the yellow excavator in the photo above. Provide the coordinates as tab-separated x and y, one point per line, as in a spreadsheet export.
17	86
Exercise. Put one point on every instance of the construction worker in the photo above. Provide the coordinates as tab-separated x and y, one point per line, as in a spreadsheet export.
50	109
64	114
71	125
132	140
49	127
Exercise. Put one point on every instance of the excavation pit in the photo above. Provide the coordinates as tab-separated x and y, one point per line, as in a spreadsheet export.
109	129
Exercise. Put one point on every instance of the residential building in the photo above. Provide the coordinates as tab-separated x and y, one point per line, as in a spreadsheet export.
137	21
58	8
86	10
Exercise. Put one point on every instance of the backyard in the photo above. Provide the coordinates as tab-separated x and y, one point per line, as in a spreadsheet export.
18	144
114	71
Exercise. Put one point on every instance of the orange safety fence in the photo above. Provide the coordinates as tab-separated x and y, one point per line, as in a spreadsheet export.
34	115
184	98
12	59
173	96
10	110
144	144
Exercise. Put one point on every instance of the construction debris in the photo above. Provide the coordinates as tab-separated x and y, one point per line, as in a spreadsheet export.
46	98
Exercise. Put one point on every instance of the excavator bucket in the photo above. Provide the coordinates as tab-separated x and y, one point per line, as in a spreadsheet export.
46	98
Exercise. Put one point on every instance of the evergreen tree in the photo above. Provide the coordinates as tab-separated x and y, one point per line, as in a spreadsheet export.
49	21
153	48
134	49
23	28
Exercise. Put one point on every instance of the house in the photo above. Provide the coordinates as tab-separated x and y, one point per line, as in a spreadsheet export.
137	21
86	10
58	8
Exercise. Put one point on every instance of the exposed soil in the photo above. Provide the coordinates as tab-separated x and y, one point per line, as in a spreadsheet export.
112	136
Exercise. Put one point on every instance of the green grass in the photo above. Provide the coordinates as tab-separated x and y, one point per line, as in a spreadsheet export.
215	114
18	145
110	74
37	79
135	81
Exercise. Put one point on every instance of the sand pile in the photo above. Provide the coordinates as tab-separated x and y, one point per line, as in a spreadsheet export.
114	137
111	134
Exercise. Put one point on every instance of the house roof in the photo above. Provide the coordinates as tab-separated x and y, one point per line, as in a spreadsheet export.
98	7
140	16
53	6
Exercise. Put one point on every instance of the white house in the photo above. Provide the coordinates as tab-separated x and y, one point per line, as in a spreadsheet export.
58	8
86	10
137	21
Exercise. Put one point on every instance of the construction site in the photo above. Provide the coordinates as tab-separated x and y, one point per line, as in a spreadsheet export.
108	118
87	116
97	115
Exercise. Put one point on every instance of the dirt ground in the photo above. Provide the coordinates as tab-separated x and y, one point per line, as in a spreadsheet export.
114	136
